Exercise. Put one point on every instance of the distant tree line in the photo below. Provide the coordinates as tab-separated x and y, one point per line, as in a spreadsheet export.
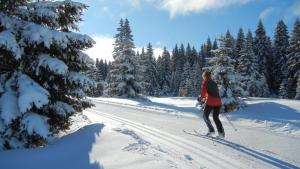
258	65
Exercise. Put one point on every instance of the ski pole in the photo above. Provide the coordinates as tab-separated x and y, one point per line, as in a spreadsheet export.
235	129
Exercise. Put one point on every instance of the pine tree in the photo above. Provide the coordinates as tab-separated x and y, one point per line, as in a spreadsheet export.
178	57
95	74
239	44
97	62
281	43
194	57
271	67
141	69
151	85
41	59
228	43
208	48
197	78
202	56
174	63
252	81
225	75
186	87
188	53
261	49
294	61
123	69
215	45
164	69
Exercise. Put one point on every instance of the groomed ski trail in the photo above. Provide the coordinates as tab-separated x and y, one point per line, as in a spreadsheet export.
202	156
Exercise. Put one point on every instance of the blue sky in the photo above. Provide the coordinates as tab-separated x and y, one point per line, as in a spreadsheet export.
167	22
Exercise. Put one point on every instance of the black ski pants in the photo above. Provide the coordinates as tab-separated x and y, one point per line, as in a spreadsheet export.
216	112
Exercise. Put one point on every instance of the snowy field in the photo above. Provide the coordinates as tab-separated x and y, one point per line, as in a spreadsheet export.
149	133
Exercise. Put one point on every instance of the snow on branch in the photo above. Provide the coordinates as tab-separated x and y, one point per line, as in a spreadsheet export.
62	108
35	123
8	42
54	65
9	107
58	15
30	94
79	79
79	93
34	34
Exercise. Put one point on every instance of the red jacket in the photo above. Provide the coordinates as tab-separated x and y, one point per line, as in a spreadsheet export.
209	100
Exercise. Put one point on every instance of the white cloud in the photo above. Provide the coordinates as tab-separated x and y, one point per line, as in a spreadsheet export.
102	49
266	13
158	52
296	8
134	3
183	7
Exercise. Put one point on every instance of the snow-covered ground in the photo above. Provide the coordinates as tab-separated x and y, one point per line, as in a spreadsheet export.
147	134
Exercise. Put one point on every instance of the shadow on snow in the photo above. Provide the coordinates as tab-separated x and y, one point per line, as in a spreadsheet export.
69	152
258	155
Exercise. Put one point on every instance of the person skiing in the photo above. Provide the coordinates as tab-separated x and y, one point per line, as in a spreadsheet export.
210	97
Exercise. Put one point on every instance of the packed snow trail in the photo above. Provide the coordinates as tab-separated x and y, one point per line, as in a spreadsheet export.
211	159
166	129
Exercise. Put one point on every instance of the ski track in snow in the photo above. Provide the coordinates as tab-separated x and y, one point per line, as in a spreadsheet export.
191	151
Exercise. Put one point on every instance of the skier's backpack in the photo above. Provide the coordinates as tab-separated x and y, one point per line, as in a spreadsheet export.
212	89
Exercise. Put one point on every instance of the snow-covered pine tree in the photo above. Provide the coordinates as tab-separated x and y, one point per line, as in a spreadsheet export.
239	44
150	76
101	68
178	60
174	60
252	81
186	87
188	53
294	61
215	45
208	48
160	70
270	67
194	57
202	56
106	69
206	53
197	78
41	59
224	73
122	80
164	71
260	46
261	49
140	69
281	43
228	43
95	74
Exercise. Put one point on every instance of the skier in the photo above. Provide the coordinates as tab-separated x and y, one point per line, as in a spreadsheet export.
212	101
